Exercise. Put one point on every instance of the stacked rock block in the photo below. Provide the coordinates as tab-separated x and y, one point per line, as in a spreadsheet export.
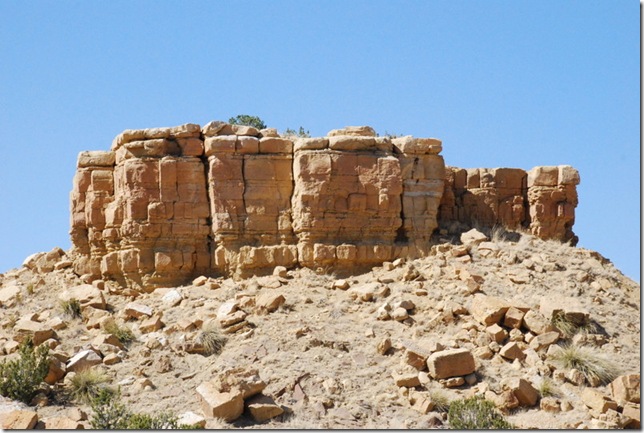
485	196
250	183
423	176
552	197
347	198
541	200
154	230
167	204
92	192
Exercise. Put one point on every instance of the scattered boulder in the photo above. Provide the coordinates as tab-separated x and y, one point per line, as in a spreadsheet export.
488	310
19	420
450	363
524	392
262	408
597	401
626	388
83	360
225	405
268	302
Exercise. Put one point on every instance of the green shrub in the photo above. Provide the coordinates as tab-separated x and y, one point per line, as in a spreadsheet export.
86	385
475	413
20	378
122	333
110	414
71	308
592	365
245	119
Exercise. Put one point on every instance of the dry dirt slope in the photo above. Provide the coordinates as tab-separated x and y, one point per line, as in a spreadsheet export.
320	347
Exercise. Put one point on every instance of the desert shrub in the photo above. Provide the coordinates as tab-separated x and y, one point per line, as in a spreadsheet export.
245	119
86	385
547	388
569	328
475	413
122	333
211	340
591	364
20	378
441	403
71	308
110	414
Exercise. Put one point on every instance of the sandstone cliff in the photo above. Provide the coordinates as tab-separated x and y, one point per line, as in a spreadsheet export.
167	204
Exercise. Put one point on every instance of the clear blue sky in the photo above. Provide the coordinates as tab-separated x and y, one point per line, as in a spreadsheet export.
502	83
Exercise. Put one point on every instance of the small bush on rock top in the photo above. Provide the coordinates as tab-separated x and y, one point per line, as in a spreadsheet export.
246	120
20	378
595	367
303	133
475	413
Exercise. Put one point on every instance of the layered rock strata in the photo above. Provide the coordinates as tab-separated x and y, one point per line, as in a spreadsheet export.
541	200
167	204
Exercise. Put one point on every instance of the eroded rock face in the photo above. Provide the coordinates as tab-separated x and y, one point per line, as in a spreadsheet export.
167	204
542	200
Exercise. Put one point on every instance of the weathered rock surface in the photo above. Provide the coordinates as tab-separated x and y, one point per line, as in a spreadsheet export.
165	205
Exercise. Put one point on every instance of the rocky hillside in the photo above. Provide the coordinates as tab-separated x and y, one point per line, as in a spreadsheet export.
548	332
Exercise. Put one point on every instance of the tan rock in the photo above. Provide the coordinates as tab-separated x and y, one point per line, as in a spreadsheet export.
269	301
473	237
83	360
597	401
512	351
191	418
524	392
9	295
262	408
537	323
488	310
86	294
632	411
151	324
513	318
544	340
450	363
549	404
19	420
383	346
408	379
626	388
136	310
496	333
63	423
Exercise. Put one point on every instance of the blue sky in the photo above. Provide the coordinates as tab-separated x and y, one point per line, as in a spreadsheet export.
502	83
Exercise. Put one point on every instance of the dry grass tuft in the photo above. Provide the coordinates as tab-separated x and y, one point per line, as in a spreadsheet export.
86	384
71	308
594	366
211	340
122	333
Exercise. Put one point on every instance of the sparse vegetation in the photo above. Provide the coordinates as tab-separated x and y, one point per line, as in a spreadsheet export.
30	289
86	385
211	340
441	402
110	414
71	308
122	333
570	328
475	413
245	119
547	388
591	364
301	132
20	378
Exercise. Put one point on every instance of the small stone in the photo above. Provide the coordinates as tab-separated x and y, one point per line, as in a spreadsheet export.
450	363
576	377
497	333
408	380
452	382
512	351
199	281
262	408
549	404
597	401
19	420
399	314
383	346
341	284
280	271
513	318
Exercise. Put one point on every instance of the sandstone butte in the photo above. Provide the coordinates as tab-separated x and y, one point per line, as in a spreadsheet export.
165	205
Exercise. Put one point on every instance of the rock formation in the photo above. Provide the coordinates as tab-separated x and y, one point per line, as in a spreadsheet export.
167	204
